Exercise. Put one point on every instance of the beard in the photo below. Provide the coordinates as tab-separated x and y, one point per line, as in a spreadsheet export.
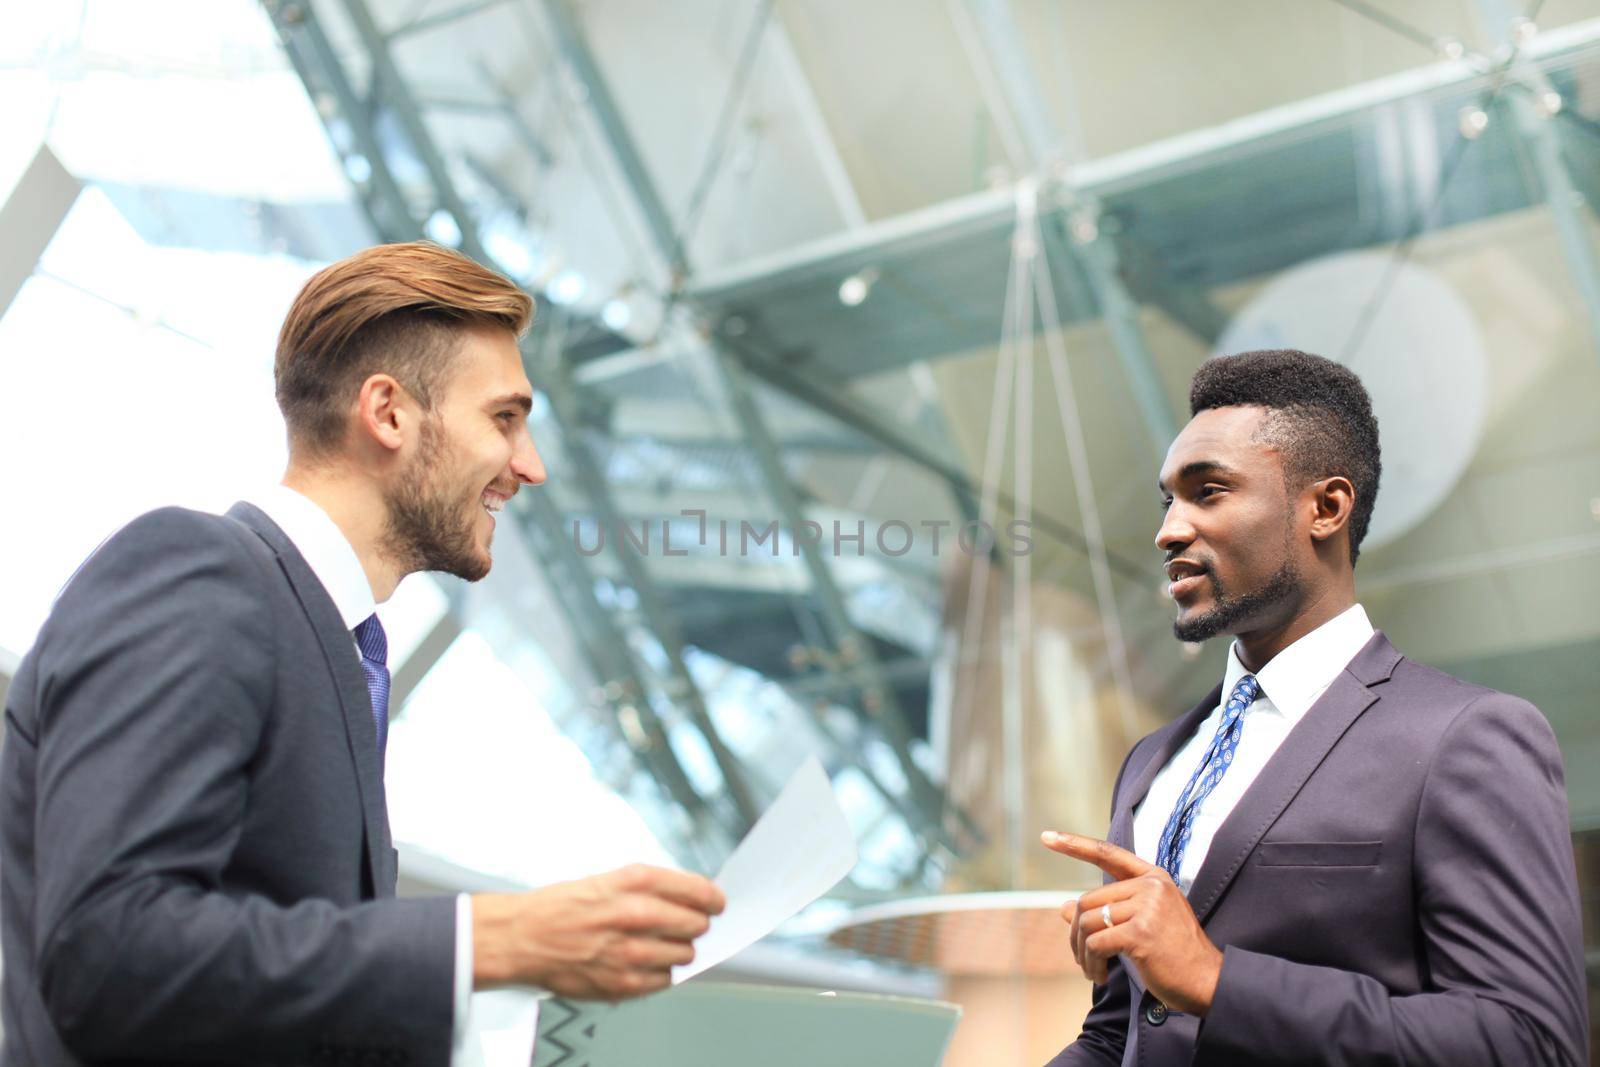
430	524
1228	611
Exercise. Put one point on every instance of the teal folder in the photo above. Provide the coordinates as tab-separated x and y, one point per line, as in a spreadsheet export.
711	1024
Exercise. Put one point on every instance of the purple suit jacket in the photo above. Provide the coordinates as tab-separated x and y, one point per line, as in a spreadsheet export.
1396	887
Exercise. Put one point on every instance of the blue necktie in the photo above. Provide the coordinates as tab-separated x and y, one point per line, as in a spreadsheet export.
1218	758
374	646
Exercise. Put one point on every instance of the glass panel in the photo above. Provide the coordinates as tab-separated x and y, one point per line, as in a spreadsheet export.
786	300
477	774
164	350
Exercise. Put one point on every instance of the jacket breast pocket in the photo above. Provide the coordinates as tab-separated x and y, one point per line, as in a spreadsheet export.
1318	853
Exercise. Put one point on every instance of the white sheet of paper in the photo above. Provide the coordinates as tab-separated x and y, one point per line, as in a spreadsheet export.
796	852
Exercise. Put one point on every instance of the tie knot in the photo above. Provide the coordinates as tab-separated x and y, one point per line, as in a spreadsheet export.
1245	690
372	641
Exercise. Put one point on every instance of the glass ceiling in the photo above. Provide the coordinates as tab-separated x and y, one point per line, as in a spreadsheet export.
156	361
216	182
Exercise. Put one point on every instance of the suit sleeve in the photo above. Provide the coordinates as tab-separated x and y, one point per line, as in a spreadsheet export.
1498	909
1105	1028
155	683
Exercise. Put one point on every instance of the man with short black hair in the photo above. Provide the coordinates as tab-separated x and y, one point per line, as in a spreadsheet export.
1339	856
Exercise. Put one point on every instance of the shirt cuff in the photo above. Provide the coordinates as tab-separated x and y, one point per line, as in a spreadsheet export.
492	1028
463	983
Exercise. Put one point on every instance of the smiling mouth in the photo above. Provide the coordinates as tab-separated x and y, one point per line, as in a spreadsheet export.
1185	578
493	501
1186	586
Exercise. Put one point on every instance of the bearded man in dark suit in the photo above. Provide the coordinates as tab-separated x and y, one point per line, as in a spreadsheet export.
195	861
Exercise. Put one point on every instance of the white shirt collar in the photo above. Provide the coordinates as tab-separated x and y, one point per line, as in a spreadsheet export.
327	551
1301	673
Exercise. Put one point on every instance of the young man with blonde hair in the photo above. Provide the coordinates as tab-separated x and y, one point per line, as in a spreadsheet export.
194	846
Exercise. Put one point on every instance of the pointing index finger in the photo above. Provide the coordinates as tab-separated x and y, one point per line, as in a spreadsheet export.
1117	862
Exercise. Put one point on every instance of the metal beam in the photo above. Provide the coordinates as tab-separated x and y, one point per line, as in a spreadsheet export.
903	671
1147	271
879	699
321	71
680	684
609	653
1098	254
575	49
993	211
390	88
1093	248
588	473
853	756
996	24
320	68
1538	135
438	20
780	48
1564	200
688	440
513	113
854	650
874	426
29	218
415	666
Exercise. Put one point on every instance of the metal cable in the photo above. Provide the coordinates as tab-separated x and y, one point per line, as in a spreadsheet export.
1422	217
719	142
1391	22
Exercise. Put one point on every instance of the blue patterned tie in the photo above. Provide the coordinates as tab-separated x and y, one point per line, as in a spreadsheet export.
1218	758
374	646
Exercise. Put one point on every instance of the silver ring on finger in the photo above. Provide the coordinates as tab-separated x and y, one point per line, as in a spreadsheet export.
1105	916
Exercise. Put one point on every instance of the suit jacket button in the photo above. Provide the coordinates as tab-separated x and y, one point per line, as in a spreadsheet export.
1155	1014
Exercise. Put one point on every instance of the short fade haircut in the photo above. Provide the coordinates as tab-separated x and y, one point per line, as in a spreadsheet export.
396	309
1319	418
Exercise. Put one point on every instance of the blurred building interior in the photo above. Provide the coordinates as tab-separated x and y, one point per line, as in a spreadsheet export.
835	300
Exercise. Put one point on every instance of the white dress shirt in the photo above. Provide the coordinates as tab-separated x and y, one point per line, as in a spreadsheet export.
1290	683
333	560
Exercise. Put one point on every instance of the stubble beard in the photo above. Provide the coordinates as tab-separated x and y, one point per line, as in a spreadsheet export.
1229	611
428	527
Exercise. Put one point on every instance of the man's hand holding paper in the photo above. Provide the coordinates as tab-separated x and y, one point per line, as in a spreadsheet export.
607	937
796	852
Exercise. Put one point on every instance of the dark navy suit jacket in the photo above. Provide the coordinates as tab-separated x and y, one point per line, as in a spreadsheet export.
1396	887
195	861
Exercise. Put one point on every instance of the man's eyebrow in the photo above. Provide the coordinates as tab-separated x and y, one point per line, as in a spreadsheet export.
1197	468
518	400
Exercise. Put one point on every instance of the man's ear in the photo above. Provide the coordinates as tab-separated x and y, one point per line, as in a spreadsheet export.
1333	500
382	409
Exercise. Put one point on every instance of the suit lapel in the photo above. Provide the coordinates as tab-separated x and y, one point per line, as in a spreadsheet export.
1307	745
1174	737
350	685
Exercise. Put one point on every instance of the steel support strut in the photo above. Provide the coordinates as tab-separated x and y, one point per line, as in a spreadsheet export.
1093	248
392	216
879	698
1537	133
